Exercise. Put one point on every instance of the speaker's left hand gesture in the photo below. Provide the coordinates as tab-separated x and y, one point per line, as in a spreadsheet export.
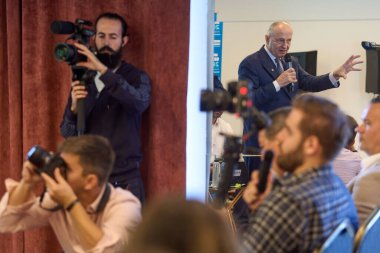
348	66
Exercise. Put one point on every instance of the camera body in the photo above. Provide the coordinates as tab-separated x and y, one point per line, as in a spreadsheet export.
80	32
235	100
45	161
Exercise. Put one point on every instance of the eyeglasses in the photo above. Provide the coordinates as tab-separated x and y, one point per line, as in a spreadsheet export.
282	41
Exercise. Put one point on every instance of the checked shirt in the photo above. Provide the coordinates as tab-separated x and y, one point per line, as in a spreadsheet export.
300	213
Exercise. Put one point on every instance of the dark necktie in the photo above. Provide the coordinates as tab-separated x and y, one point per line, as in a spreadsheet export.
280	67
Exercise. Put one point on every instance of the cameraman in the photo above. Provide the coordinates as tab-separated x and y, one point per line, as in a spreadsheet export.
114	102
95	217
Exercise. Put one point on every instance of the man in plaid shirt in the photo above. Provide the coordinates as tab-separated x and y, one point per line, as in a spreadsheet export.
297	212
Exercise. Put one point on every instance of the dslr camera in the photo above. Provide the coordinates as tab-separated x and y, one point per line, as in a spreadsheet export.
46	162
80	32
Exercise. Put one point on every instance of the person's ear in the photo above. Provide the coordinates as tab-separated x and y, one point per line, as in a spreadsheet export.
92	182
267	39
125	41
311	145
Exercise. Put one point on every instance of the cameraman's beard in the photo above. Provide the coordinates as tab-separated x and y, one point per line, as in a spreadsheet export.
292	160
111	60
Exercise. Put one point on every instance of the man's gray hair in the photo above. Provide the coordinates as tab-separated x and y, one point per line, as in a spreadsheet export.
274	25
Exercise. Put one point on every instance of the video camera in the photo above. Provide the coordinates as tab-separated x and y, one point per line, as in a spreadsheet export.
46	162
235	100
80	32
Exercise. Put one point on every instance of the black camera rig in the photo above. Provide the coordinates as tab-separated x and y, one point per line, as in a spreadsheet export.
80	32
236	100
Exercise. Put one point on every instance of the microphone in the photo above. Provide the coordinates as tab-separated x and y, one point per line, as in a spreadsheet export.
370	45
288	60
264	171
62	27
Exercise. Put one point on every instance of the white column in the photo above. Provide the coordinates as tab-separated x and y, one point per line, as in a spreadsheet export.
199	77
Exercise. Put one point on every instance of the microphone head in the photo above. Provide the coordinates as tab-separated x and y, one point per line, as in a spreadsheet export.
62	27
287	58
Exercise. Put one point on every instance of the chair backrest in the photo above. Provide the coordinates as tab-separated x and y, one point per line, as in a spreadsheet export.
340	240
367	238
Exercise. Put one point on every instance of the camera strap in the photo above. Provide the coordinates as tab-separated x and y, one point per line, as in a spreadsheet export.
103	201
51	209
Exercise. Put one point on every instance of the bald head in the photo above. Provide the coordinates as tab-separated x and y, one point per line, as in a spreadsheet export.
278	25
279	38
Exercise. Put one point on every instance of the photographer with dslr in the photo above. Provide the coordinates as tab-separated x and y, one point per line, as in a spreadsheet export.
114	101
92	216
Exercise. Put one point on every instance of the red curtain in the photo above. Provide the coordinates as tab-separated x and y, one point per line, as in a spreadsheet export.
34	89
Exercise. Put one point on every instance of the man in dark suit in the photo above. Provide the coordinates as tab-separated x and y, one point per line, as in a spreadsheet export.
274	84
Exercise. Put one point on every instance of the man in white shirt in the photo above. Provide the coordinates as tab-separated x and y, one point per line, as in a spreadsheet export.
365	187
219	127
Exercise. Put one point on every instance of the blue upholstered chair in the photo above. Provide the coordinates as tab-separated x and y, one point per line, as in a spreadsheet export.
367	238
341	240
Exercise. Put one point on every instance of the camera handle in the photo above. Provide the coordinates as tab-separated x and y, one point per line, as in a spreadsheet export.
81	117
84	76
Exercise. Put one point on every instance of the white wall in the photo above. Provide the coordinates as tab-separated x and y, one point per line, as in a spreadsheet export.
334	28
